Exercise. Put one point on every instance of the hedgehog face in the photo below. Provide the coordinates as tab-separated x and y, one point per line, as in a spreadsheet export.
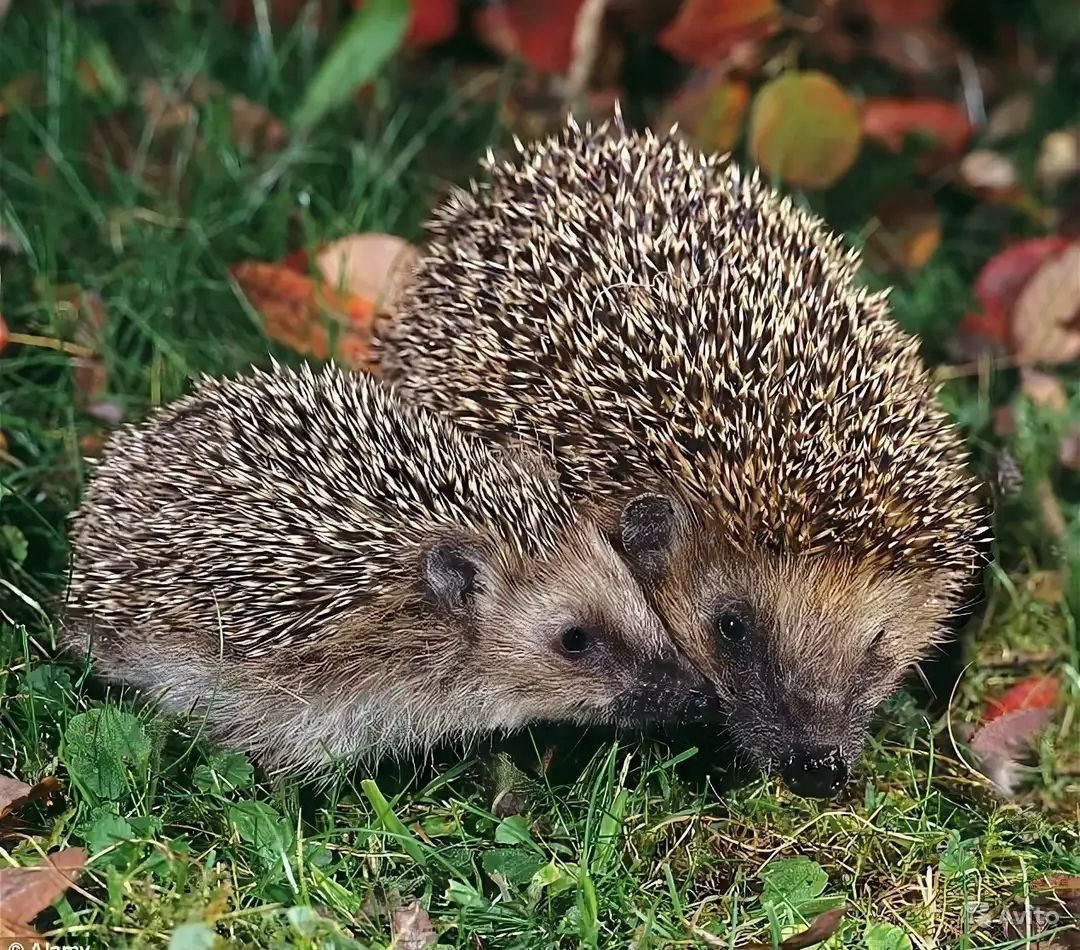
570	637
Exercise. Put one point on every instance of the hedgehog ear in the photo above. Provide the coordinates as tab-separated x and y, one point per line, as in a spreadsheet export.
646	529
452	569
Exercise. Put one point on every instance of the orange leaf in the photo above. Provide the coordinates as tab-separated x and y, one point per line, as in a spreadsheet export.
705	31
295	308
804	128
711	111
26	892
889	121
1035	692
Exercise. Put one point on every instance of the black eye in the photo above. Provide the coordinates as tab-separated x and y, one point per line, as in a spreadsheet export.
575	641
878	637
731	627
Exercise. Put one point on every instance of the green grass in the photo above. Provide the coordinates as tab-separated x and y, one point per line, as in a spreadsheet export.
619	841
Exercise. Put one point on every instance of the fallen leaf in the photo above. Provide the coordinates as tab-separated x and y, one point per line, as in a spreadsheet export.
1047	587
375	267
710	110
889	121
705	31
1010	117
804	128
23	91
1046	319
14	794
1000	743
1043	389
1059	158
907	231
822	928
1035	692
412	929
541	34
26	891
296	311
4	333
985	170
999	283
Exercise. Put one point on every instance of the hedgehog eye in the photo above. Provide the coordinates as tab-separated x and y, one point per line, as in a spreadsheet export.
878	638
574	641
731	627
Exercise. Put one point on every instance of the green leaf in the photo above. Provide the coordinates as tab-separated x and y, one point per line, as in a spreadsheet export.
959	857
550	878
515	830
14	542
516	865
48	680
391	823
465	895
102	747
791	882
886	937
363	47
225	772
106	830
195	936
260	826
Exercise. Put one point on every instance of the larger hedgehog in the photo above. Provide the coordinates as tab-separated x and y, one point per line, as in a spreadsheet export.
667	323
327	573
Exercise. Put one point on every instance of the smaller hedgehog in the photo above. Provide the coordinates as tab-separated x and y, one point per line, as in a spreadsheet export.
325	573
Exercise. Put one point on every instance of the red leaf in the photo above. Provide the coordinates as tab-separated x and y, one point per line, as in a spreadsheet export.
889	121
1000	282
542	34
4	333
705	31
431	22
1036	692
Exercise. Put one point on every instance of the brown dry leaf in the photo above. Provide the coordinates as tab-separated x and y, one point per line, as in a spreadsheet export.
1046	319
1043	389
710	110
14	794
1047	587
1010	117
908	231
988	171
1059	157
805	128
295	308
24	90
375	267
1001	742
26	891
822	928
412	928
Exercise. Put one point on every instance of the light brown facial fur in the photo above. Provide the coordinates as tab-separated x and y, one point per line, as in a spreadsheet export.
801	648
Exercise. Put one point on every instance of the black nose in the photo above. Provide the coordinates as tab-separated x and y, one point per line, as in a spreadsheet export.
816	772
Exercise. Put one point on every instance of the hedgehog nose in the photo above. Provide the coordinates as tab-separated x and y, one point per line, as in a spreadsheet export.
815	772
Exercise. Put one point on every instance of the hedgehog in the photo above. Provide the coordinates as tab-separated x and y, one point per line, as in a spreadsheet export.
327	575
759	437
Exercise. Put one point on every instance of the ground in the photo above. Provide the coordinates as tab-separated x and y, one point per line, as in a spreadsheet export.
621	840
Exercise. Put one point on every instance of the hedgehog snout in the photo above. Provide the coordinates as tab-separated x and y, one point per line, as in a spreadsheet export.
668	689
815	771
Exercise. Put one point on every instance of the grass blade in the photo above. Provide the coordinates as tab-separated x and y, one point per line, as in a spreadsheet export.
363	48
